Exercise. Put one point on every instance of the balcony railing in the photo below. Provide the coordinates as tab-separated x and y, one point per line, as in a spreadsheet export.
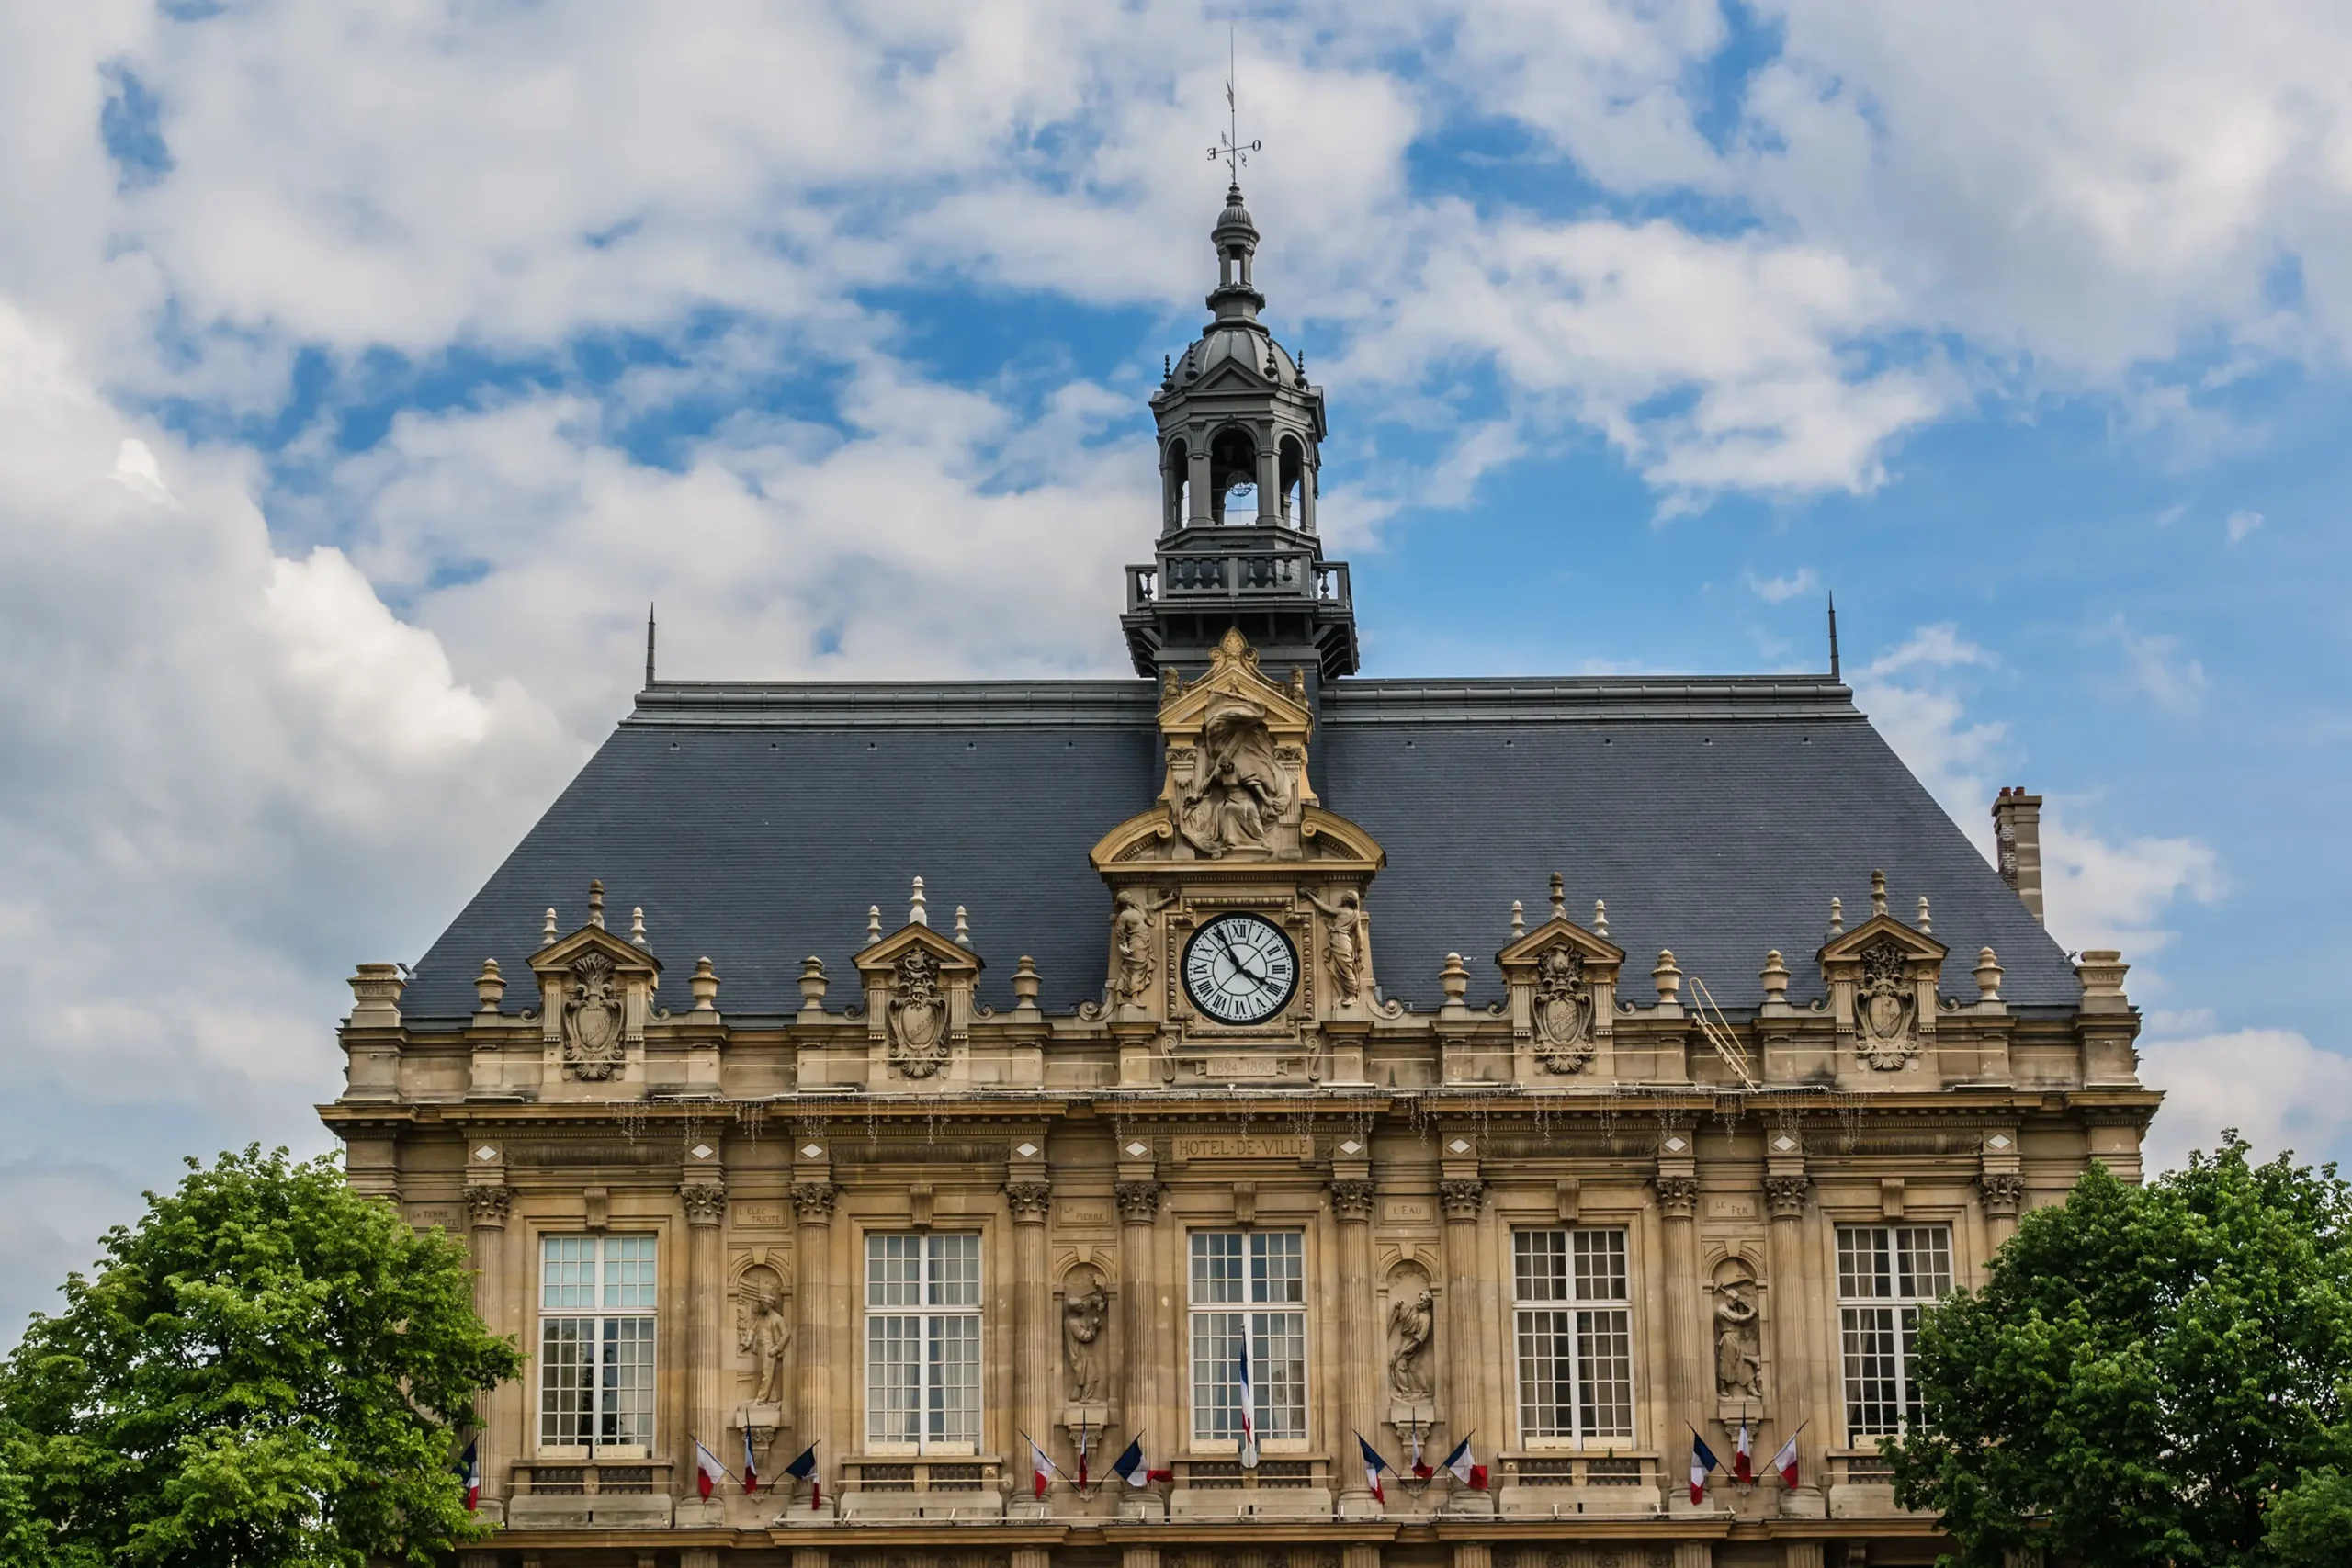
1239	576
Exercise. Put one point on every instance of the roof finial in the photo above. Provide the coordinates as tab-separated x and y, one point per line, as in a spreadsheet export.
1518	921
1833	637
872	924
1837	917
547	931
1233	151
917	914
1925	922
637	926
1601	917
596	904
1878	894
1559	896
648	643
962	928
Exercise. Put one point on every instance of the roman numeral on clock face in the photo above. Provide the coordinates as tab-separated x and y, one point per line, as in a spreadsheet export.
1240	969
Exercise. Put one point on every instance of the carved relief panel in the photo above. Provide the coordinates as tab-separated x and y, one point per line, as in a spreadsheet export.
595	997
917	1011
1562	982
1882	978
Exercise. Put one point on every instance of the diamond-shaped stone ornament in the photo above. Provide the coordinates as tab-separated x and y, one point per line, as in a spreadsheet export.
700	1151
811	1151
1998	1141
485	1153
1784	1142
1675	1146
1352	1147
1136	1151
1027	1151
1458	1147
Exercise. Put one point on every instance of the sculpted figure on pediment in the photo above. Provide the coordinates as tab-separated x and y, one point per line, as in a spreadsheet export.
1342	942
918	1017
1562	1013
1238	788
591	1020
1885	1009
1131	947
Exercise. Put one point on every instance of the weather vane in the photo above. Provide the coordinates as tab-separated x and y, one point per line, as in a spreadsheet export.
1232	149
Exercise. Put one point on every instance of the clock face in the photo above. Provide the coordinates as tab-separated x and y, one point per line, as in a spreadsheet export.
1240	969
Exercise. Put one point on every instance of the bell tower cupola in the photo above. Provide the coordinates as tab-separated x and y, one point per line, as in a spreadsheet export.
1241	453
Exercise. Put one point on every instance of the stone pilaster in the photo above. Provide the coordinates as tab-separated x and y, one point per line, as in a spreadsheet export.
1033	1363
814	1341
1462	1395
704	1198
1141	1344
1677	1183
500	1410
1352	1203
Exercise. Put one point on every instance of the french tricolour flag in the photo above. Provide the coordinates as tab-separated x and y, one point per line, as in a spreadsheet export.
1250	1411
1465	1466
1702	1460
1743	1457
804	1467
1786	1461
750	1464
708	1472
470	1471
1132	1468
1374	1466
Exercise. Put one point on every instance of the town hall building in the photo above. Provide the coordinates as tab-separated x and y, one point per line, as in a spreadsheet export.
1082	1120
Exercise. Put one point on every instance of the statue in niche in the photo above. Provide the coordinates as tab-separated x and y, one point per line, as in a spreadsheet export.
591	1020
918	1017
1131	918
1884	1005
1412	1319
1238	790
761	1333
1562	1011
1739	1355
1343	941
1086	1307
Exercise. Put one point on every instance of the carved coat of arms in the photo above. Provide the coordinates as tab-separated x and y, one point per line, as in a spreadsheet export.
918	1017
1563	1012
591	1020
1885	1009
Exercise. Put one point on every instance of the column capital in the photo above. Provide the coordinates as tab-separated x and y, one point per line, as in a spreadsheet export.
1784	1195
1678	1196
705	1201
1138	1201
2004	1193
488	1206
812	1202
1462	1197
1352	1198
1031	1202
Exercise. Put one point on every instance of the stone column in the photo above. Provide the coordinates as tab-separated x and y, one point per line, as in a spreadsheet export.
814	1342
1197	476
499	1410
1360	1347
1791	1385
706	1204
2004	1195
1033	1358
1140	1341
1678	1203
1460	1396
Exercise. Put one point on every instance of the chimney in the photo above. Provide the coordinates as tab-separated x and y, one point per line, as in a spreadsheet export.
2017	831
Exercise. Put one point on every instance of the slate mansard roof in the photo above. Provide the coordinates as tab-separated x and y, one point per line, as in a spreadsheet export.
757	823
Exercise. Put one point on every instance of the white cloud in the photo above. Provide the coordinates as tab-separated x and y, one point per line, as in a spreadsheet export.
2100	893
1780	589
2239	523
2278	1089
2153	667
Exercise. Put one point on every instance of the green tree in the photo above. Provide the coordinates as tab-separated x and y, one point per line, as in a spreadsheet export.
268	1368
2151	1375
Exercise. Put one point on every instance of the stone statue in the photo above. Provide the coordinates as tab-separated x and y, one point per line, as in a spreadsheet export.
1343	941
1739	1358
1131	918
1084	1312
1238	788
1411	1320
761	1333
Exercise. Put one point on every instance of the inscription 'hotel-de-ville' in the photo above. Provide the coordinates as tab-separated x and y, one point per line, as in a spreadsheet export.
1216	1074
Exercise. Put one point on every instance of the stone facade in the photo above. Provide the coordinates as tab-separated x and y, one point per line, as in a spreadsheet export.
915	1228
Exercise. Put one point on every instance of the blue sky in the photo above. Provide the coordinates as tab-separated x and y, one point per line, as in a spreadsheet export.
364	372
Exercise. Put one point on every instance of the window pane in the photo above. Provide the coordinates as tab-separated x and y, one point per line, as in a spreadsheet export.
1923	1254
1217	1352
1862	1271
956	1271
1545	1340
1277	1266
1604	1374
1278	1372
567	1382
568	1272
893	1376
893	1271
1600	1266
1873	1398
1540	1259
954	1414
628	1271
626	1415
1217	1268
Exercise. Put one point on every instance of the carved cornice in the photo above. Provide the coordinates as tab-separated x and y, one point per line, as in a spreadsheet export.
2004	1193
1784	1196
1138	1201
1352	1198
705	1202
488	1205
1462	1197
813	1202
1031	1202
1678	1196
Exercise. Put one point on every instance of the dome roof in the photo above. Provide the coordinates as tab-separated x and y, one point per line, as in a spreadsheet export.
1222	345
1234	219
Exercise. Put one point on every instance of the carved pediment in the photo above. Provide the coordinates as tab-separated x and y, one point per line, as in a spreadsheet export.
1562	981
1236	785
918	999
1882	978
595	993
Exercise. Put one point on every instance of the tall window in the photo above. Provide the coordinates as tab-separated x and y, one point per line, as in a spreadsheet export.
596	1296
1576	1334
922	1344
1885	1274
1248	1288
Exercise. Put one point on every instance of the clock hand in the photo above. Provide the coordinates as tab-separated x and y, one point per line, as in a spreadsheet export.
1233	958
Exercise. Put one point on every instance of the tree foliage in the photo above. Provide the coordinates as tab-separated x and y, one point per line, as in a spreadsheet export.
268	1368
2151	1375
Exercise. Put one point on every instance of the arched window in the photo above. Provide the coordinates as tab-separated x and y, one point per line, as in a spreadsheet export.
1175	474
1293	472
1233	470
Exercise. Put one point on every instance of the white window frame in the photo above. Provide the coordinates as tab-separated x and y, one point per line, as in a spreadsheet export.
1886	1273
1260	1294
936	1311
1565	1316
601	1294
